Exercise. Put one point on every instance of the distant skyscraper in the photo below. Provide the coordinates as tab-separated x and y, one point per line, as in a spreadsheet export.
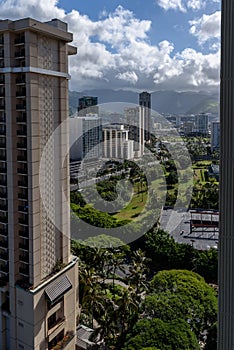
87	104
215	136
38	275
145	101
226	236
135	121
201	123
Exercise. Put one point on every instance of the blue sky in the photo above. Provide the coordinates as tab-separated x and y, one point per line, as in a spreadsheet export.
135	45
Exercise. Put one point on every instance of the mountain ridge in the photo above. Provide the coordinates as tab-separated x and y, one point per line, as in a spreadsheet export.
163	101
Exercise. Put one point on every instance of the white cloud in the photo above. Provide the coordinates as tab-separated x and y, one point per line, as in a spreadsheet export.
130	77
195	4
206	27
183	5
115	51
172	5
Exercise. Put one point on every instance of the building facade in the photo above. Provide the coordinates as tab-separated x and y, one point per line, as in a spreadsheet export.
135	120
116	144
201	124
38	275
85	137
145	102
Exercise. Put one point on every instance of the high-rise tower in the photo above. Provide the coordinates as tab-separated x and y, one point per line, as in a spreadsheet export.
38	275
226	240
145	101
87	104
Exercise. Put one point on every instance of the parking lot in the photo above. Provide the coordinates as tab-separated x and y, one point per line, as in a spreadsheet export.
177	223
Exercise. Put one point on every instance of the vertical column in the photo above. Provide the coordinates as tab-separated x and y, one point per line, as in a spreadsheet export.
226	241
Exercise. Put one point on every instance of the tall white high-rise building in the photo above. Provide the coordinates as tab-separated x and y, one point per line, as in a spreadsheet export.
135	119
38	275
201	123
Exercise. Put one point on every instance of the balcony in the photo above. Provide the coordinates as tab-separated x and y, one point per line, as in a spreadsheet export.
22	133
3	232
20	81
22	221
19	41
24	234
24	271
4	244
6	307
3	194
21	93
3	219
23	196
20	107
3	281
22	171
22	183
4	268
3	157
24	246
3	207
20	158
22	145
23	209
4	257
22	118
20	54
2	117
24	258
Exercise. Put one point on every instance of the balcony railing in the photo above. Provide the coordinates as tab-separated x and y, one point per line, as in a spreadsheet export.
20	107
22	145
3	244
23	221
20	158
3	207
22	195
4	268
22	183
22	171
24	258
3	232
23	234
22	208
24	271
20	54
3	256
21	119
20	81
3	219
21	93
19	41
23	246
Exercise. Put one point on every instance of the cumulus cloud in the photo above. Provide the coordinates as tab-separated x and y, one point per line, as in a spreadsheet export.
172	5
183	5
206	27
115	50
131	77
